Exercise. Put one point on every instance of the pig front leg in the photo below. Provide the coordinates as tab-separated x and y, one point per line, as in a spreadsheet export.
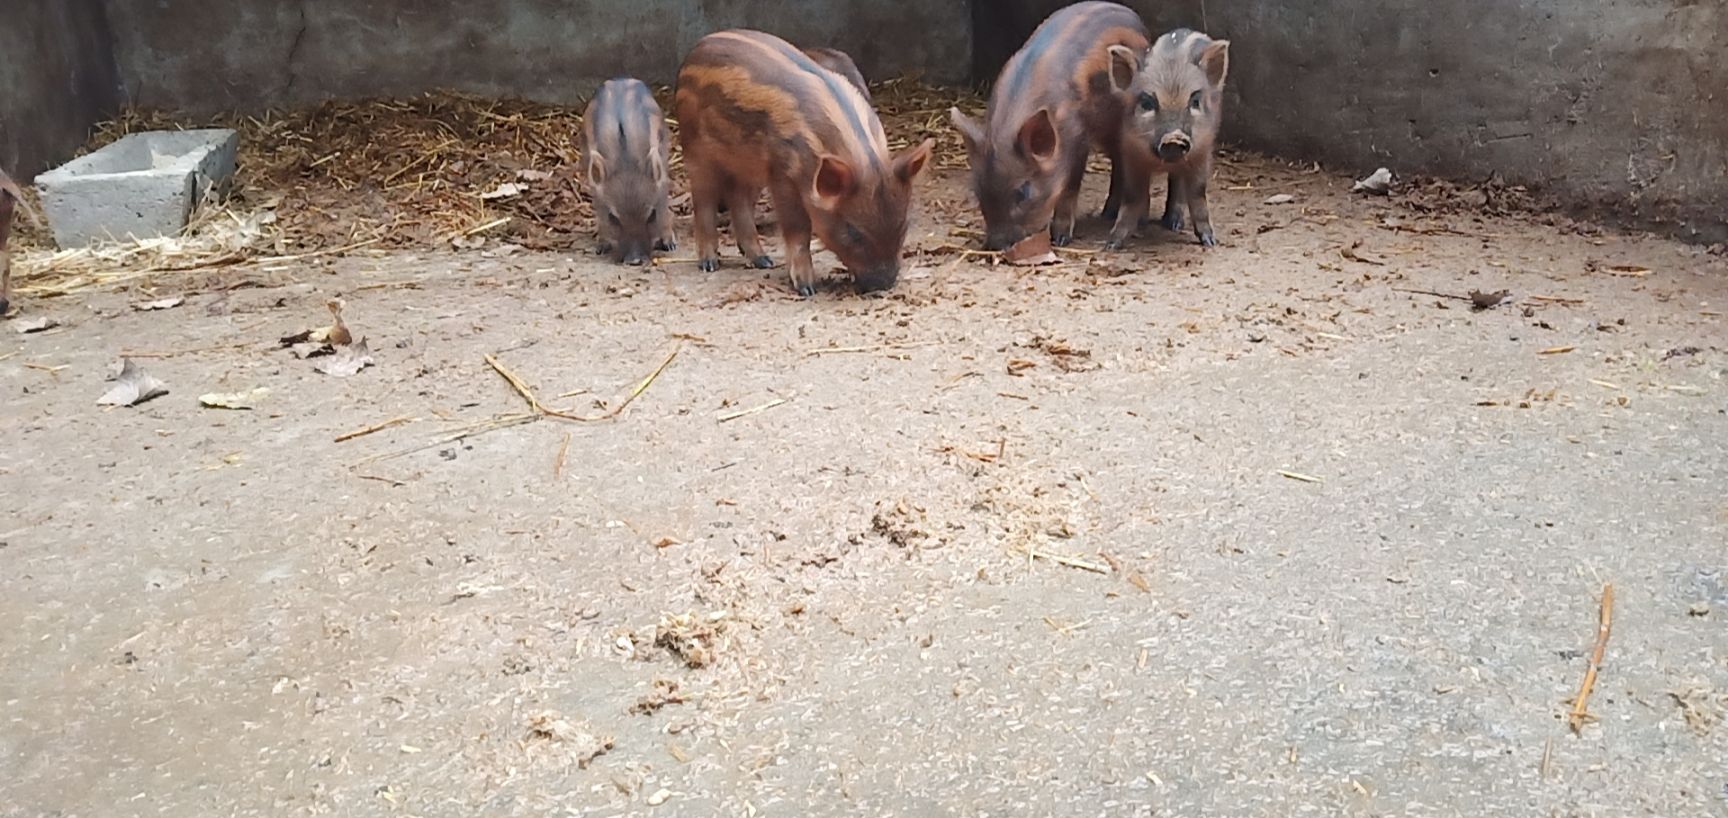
5	254
1174	199
742	202
1136	200
1067	202
668	239
1194	188
1113	201
795	234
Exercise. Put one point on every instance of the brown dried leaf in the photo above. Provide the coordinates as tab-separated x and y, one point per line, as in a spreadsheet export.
134	386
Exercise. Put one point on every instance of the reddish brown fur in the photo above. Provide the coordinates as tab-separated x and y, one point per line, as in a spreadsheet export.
625	165
840	63
1173	98
755	113
1052	105
10	198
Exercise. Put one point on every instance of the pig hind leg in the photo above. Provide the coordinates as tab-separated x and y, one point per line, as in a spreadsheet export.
741	201
707	189
795	232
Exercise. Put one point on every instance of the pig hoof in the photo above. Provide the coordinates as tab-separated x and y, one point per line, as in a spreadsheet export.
1114	243
807	290
1207	240
5	306
666	245
1062	239
603	248
1172	221
762	263
708	265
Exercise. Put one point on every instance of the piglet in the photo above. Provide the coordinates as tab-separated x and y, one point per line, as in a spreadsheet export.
1174	95
1052	104
626	145
840	63
10	198
754	112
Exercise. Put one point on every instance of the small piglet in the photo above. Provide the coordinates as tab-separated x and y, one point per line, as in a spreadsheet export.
756	113
1175	101
840	63
626	145
10	198
1052	104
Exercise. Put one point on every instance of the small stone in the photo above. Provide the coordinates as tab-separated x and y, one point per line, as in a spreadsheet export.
1280	198
659	797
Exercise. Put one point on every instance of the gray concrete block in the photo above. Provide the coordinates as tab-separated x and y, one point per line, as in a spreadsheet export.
143	186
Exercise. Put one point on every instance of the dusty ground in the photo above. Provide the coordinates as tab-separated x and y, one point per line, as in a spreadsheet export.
827	607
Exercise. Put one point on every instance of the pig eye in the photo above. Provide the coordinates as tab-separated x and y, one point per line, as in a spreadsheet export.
1023	193
653	214
1148	102
851	235
612	216
1194	101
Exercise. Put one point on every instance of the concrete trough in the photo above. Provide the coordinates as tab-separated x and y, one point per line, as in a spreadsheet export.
143	186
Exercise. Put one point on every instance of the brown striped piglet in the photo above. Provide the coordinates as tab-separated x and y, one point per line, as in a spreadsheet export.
11	198
840	63
1174	97
1052	105
756	113
625	162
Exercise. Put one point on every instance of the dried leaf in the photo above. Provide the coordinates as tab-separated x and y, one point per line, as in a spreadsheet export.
1378	183
503	191
36	324
1279	199
337	333
1480	300
234	400
134	386
531	175
347	361
1031	251
159	304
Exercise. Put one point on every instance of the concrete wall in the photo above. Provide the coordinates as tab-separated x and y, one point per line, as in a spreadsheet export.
1617	106
204	55
57	78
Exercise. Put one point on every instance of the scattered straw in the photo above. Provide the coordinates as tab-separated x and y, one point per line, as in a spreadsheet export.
379	427
1580	714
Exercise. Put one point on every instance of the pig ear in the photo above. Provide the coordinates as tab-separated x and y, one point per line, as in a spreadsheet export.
596	171
969	129
1037	138
834	179
1215	61
1124	64
908	165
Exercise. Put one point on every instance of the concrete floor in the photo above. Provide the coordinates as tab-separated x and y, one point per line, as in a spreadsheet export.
214	612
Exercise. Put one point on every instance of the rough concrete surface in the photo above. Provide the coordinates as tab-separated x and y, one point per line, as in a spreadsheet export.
212	612
144	185
1620	108
204	55
57	78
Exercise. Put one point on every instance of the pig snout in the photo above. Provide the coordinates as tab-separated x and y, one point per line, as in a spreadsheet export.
1174	146
880	278
634	255
1002	239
